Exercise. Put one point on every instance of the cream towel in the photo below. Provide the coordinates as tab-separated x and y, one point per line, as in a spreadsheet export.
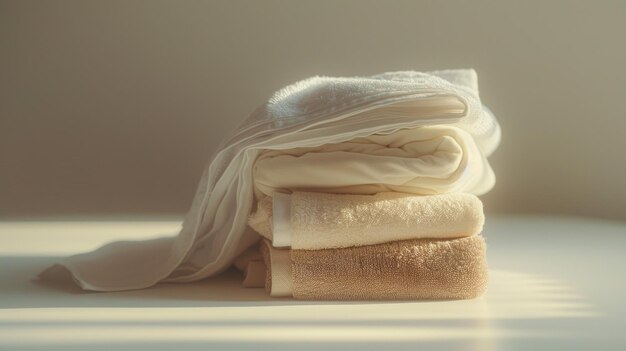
311	113
412	269
424	161
312	221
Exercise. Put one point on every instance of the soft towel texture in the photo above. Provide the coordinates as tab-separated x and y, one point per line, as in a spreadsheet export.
411	269
311	113
315	221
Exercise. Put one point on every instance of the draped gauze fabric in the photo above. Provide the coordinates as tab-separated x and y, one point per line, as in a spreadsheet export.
422	133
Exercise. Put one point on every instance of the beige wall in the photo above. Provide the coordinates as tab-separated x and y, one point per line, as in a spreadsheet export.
113	107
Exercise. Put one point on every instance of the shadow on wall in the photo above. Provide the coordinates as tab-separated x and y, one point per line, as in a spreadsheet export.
115	107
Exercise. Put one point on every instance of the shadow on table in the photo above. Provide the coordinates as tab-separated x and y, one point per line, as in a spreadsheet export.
519	307
23	288
549	289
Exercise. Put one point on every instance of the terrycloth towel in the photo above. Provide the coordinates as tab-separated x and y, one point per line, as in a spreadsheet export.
411	269
312	221
311	113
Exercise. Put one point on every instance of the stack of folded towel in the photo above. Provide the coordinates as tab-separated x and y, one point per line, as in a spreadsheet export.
384	246
384	216
336	188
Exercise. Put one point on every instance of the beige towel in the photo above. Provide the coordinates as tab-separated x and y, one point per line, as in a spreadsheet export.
313	221
412	269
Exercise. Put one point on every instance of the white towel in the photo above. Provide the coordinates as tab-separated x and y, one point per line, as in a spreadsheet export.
310	113
425	161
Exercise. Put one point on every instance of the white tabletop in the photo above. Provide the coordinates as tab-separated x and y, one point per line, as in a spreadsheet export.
556	283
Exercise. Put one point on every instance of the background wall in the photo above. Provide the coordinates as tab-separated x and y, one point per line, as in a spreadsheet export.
113	107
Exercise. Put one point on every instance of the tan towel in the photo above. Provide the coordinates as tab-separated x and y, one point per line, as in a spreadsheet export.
411	269
313	221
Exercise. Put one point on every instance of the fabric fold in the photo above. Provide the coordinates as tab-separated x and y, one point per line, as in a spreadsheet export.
424	161
410	269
